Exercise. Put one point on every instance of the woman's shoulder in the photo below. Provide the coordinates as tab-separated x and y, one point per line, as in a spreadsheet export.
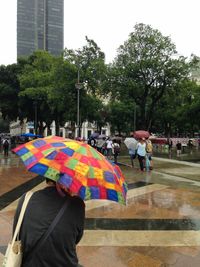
76	200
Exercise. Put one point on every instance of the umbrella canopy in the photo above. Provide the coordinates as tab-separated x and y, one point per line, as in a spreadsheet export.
94	135
141	134
101	136
30	135
100	142
117	138
131	143
76	166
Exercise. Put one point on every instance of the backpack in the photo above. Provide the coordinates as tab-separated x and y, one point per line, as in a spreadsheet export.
149	147
92	142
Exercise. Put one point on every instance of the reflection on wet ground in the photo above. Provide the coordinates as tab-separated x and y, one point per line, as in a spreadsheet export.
12	195
160	226
190	155
142	224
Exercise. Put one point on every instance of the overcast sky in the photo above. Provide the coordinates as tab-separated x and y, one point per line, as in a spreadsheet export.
109	22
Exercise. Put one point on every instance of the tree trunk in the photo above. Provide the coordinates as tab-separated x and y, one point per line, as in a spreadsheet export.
41	128
48	129
57	127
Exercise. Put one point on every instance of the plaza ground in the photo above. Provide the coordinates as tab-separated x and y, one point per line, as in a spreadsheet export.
159	227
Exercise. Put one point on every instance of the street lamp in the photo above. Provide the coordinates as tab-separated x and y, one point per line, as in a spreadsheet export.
78	86
35	120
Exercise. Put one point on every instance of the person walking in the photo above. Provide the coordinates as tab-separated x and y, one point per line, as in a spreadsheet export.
104	147
92	142
5	147
59	249
109	148
115	150
178	148
149	152
141	152
132	153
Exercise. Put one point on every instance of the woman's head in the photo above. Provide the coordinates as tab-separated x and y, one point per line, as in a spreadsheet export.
60	188
50	182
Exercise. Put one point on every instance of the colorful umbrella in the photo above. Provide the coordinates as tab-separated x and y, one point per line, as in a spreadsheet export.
141	134
76	166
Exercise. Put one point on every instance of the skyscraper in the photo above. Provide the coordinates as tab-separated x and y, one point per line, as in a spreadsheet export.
40	25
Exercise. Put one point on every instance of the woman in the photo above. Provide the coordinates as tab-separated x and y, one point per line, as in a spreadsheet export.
141	152
59	249
109	148
115	150
132	153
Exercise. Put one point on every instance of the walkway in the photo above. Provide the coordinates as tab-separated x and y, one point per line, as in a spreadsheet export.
159	227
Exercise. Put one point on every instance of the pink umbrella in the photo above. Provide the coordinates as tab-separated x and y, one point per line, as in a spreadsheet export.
141	134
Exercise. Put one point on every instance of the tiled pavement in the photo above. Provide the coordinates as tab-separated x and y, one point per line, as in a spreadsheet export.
159	227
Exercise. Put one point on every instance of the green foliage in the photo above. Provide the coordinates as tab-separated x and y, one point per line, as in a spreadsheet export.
147	79
90	62
178	111
147	67
4	125
35	85
62	96
9	88
121	116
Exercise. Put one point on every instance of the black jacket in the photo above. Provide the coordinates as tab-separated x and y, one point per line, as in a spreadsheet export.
59	250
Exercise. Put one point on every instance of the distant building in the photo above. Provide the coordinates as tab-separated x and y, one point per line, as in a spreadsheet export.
195	73
40	25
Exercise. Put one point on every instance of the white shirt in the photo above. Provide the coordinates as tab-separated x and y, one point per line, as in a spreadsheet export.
109	143
141	149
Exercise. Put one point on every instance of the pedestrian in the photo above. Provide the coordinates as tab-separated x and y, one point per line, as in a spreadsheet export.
170	144
92	142
109	148
98	145
141	152
5	147
149	150
59	249
115	150
132	153
178	148
104	147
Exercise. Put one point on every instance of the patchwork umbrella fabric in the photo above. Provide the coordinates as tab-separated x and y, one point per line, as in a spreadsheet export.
76	166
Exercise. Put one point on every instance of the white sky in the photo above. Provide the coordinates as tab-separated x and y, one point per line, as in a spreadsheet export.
109	22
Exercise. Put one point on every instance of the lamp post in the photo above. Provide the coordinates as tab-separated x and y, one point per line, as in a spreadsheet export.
35	124
78	86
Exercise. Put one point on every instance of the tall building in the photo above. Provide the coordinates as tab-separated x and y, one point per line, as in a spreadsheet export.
40	25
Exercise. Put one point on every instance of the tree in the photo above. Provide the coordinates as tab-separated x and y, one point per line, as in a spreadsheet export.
35	84
146	68
90	64
121	117
177	112
4	125
189	111
62	96
9	89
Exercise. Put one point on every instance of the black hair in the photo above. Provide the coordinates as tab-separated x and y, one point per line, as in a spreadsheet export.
49	180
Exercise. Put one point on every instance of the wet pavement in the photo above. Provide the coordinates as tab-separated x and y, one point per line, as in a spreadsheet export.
159	227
